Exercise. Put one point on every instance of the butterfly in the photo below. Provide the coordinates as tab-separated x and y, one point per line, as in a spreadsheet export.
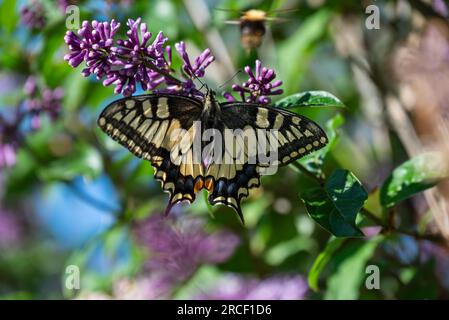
166	129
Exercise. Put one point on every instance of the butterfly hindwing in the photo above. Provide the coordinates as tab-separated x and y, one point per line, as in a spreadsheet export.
146	125
294	135
229	190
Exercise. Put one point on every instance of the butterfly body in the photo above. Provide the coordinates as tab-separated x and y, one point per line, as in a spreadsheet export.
211	110
202	144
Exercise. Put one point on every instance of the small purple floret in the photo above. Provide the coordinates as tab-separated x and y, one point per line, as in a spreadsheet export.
258	87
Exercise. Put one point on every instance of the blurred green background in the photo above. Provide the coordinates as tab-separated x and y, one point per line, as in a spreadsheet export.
73	197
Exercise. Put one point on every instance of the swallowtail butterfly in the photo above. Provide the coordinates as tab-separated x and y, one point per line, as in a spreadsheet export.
165	129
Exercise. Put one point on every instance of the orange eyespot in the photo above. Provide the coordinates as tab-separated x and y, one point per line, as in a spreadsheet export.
209	184
198	184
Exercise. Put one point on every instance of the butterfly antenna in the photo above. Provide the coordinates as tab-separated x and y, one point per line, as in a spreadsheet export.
203	84
232	78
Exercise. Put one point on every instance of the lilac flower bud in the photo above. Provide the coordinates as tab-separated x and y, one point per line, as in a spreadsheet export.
33	15
11	229
133	61
259	87
228	96
30	86
92	44
7	154
46	101
201	62
39	101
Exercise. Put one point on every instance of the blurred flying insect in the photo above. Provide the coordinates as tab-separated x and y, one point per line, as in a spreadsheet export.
253	25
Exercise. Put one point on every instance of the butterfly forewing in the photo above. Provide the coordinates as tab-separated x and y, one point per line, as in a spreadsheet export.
296	135
150	126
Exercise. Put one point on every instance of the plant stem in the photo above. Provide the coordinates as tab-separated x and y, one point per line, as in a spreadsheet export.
304	170
386	228
374	218
162	73
151	66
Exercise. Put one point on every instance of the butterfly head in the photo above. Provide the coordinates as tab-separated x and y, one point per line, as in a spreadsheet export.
210	94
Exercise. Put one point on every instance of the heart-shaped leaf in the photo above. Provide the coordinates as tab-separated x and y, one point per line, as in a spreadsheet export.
314	161
335	207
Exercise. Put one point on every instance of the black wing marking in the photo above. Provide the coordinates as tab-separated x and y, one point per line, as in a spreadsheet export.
146	124
229	191
296	137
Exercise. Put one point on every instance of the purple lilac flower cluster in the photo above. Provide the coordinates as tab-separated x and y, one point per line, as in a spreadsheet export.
38	102
258	87
127	63
440	7
233	287
33	15
178	247
41	101
63	4
10	229
229	287
9	143
135	60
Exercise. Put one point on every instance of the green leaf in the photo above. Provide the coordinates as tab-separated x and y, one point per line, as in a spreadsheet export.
345	282
22	175
204	279
8	15
420	283
302	44
210	208
138	176
97	96
373	205
412	177
314	161
75	89
109	245
322	260
310	99
144	210
282	251
254	211
85	161
335	207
